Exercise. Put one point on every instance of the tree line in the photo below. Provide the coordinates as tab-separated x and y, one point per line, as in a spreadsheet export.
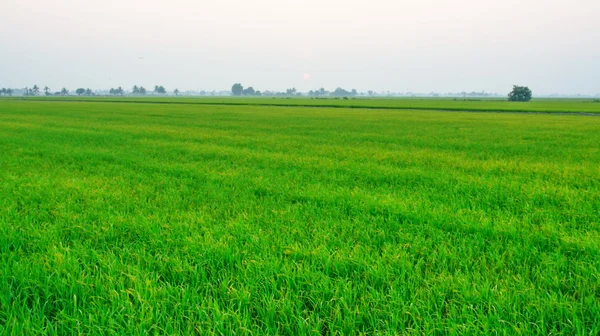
35	90
238	90
119	91
518	93
6	92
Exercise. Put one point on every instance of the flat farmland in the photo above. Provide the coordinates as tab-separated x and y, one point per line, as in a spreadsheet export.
547	105
142	218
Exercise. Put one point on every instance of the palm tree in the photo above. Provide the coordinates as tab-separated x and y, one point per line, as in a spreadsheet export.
35	90
156	89
46	90
135	90
176	92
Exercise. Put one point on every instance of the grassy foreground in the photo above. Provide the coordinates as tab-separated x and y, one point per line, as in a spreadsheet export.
182	219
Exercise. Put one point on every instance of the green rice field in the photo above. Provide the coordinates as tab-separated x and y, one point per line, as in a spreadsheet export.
580	106
230	217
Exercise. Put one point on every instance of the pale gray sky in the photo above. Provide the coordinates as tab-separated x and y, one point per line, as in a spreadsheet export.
396	45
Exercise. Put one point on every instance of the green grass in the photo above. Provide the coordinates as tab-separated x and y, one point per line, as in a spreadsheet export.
459	104
182	219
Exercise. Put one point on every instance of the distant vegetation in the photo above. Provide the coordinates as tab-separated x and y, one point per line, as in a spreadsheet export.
160	90
84	92
520	94
239	90
138	91
517	94
6	92
116	92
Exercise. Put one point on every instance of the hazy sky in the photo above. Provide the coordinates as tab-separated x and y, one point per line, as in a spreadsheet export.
396	45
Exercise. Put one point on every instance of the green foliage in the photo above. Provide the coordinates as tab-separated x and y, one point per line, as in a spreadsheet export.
520	94
190	219
339	92
318	93
159	89
116	92
248	91
237	89
140	90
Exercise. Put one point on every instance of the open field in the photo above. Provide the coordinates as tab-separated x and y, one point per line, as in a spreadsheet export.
491	105
187	218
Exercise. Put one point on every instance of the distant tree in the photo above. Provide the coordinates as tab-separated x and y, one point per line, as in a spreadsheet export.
80	91
142	91
111	91
9	92
162	90
323	92
237	89
353	92
370	92
291	92
257	93
2	91
248	92
46	90
35	90
520	94
64	92
135	90
119	91
176	92
88	92
339	92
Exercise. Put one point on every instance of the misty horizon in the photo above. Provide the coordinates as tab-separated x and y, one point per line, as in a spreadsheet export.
433	46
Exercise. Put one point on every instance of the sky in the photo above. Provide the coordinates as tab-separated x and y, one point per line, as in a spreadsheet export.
552	46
